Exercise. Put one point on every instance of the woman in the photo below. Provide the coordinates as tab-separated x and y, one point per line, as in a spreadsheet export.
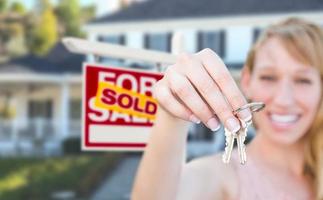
284	70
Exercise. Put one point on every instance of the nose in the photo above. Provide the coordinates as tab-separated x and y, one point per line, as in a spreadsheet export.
284	94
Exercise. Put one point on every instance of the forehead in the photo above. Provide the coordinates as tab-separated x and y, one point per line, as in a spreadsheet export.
273	55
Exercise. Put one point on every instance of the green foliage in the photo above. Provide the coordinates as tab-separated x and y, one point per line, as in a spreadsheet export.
69	15
44	35
18	7
42	5
72	145
3	5
88	12
38	31
35	178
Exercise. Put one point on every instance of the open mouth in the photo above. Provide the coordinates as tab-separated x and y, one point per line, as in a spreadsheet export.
283	121
286	118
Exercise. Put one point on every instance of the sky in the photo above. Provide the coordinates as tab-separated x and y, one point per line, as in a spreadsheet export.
29	3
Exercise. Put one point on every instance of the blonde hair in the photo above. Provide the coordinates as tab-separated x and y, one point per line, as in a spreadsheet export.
304	41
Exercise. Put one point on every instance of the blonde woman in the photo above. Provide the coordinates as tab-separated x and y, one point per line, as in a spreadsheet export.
284	69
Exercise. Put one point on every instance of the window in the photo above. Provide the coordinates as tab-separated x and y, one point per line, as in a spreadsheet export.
75	109
256	34
158	41
214	40
112	39
40	109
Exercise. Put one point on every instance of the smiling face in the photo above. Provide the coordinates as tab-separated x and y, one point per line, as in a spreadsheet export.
290	89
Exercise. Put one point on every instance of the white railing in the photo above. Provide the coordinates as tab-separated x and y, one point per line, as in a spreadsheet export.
36	129
36	135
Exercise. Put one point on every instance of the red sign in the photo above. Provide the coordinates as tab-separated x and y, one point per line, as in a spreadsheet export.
118	108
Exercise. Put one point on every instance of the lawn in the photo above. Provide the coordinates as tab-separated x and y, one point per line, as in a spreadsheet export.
36	178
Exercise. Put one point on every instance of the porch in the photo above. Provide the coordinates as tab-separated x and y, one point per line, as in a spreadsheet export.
38	112
34	137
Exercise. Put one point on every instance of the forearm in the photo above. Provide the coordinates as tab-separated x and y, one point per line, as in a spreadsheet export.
159	171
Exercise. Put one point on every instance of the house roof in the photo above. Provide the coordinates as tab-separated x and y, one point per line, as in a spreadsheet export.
175	9
57	61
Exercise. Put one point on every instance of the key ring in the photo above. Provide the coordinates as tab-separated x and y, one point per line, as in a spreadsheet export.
254	107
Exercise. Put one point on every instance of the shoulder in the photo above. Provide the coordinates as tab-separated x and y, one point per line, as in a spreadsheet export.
211	177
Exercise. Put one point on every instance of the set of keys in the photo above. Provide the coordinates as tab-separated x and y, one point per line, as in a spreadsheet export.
240	135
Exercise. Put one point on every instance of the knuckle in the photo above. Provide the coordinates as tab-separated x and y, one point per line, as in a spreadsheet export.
184	58
223	78
181	89
237	100
163	99
193	67
162	95
169	70
157	86
207	52
207	86
223	112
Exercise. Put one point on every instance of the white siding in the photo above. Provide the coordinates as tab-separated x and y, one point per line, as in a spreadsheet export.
135	40
190	41
238	42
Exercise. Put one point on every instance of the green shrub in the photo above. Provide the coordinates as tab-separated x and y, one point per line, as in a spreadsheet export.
72	145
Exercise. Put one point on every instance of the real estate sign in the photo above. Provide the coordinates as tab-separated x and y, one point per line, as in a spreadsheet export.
118	107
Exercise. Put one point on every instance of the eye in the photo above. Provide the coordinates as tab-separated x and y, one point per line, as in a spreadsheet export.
303	81
268	78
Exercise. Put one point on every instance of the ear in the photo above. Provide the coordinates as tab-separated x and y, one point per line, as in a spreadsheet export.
245	81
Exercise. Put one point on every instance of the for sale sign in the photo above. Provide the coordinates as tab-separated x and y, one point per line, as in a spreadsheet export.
118	107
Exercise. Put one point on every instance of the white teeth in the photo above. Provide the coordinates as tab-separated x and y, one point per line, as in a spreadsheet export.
284	118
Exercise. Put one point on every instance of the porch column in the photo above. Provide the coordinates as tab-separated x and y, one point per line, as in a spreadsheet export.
93	37
64	117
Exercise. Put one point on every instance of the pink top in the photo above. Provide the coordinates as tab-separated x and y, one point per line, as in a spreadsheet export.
255	183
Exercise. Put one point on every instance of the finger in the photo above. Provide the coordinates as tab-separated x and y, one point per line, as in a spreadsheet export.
169	103
182	87
219	72
206	86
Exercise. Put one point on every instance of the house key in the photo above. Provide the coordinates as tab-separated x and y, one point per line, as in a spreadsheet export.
240	135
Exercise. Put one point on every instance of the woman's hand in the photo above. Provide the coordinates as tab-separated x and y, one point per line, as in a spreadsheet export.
199	87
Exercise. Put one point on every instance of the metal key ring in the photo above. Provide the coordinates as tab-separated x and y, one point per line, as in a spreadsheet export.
254	107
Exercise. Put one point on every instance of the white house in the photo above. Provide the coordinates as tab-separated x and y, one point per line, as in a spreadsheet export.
40	102
41	97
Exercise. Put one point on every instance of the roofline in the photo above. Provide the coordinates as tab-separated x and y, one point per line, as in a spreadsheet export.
201	23
39	78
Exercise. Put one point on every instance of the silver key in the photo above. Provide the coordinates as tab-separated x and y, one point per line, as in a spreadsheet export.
242	134
241	137
229	143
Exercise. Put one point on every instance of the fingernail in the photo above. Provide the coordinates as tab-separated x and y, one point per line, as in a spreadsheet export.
232	124
245	115
213	124
194	119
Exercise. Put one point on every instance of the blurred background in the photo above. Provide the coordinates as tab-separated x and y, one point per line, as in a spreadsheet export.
41	82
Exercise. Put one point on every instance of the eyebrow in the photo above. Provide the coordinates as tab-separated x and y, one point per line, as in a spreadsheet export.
308	70
265	68
271	68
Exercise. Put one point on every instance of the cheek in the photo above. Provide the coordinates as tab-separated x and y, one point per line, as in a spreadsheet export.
260	92
309	98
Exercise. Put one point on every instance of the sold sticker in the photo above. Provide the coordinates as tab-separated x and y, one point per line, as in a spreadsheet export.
121	100
119	108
